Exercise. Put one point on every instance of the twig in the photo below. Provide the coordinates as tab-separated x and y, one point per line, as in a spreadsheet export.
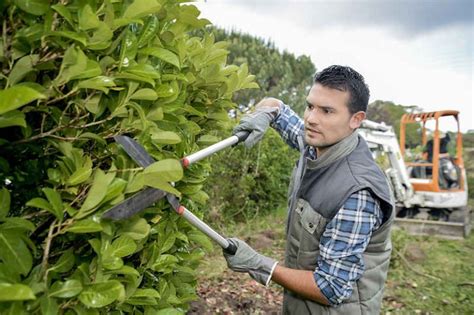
407	263
44	263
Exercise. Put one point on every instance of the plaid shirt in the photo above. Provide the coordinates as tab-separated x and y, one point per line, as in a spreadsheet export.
340	262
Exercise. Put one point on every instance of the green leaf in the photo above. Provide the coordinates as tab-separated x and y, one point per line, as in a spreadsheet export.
65	262
125	270
153	180
140	8
14	252
170	240
41	203
144	94
49	306
4	202
101	294
16	97
165	137
101	38
15	292
35	7
101	83
71	35
137	229
85	226
112	262
96	193
168	311
207	139
121	247
134	77
144	70
12	118
65	289
81	174
200	239
92	70
146	293
21	68
16	223
87	18
162	54
168	170
55	201
64	12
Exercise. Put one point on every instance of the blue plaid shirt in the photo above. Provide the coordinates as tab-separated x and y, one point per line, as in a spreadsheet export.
340	262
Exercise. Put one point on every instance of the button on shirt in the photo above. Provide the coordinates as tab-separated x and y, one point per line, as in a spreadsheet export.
340	262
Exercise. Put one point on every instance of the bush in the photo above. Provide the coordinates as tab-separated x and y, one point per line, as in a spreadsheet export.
74	75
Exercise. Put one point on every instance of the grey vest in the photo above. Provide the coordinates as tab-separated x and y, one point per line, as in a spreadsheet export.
321	194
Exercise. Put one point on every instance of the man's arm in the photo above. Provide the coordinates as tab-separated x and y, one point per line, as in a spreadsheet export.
299	281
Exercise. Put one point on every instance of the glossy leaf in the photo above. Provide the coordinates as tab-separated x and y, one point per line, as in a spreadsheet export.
101	83
101	294
41	203
122	246
87	18
15	292
65	289
14	252
16	97
82	39
15	223
162	54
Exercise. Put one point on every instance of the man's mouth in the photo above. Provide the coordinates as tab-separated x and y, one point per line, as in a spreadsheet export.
309	130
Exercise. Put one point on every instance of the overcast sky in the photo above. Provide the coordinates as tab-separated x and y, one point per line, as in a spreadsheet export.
410	52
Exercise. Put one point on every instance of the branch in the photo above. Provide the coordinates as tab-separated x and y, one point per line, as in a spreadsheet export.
49	239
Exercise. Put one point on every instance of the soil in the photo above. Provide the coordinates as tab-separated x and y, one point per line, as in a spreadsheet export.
222	291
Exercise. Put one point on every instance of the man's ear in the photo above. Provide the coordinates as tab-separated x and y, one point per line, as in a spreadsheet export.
357	119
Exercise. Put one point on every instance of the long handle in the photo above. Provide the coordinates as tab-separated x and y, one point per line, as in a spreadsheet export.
199	155
206	229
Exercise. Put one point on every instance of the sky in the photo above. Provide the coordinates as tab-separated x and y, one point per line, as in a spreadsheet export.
417	52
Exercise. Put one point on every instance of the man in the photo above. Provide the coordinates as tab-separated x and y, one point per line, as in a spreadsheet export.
340	206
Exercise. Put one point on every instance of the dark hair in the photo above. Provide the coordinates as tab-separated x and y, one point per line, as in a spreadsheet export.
344	78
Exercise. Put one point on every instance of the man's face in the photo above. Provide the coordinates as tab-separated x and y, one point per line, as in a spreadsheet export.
327	119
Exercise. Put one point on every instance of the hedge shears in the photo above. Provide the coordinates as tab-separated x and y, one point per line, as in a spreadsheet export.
149	195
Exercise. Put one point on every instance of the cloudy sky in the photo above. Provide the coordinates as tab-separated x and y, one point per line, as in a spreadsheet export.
417	52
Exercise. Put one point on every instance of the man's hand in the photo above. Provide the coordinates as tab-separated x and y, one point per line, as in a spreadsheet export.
246	259
256	123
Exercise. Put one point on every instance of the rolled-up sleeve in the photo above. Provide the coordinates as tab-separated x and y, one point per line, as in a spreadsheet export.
288	124
340	263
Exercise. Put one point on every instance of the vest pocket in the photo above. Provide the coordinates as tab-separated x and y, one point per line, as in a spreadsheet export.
312	225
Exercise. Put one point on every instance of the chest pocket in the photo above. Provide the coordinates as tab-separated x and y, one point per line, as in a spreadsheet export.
311	226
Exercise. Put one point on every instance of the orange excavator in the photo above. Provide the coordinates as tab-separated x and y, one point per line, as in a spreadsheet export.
430	190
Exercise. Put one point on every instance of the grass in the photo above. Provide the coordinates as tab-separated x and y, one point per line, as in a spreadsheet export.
427	275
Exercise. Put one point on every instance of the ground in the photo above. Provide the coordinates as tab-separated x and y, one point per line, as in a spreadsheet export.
427	275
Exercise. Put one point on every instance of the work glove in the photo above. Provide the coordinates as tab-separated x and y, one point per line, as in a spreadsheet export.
256	123
246	259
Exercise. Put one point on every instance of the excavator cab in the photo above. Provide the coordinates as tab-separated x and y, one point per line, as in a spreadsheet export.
441	168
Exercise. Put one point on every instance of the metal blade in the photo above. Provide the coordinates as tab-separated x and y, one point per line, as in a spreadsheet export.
135	151
174	201
134	204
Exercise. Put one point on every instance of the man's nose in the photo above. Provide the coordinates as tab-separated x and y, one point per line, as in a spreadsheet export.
312	117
